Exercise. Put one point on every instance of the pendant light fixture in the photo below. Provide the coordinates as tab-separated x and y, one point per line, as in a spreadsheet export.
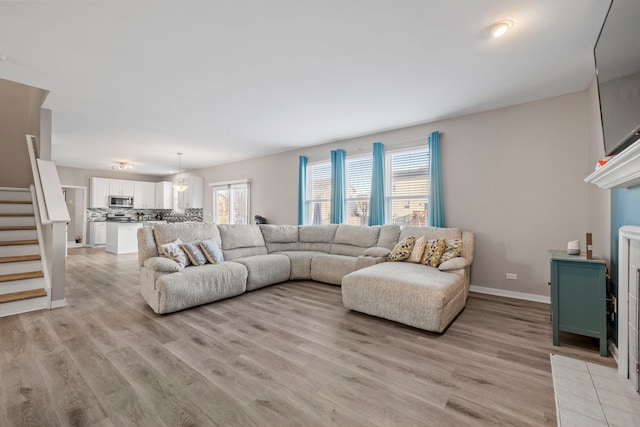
179	185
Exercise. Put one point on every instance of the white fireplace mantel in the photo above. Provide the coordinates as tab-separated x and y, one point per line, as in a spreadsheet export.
626	234
622	171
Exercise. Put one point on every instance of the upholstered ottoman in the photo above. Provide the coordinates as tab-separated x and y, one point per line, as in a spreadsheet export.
409	293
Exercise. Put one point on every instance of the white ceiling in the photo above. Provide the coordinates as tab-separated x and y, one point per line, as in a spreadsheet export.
221	81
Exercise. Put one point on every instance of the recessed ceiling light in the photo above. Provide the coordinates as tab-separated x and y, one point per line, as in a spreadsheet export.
501	27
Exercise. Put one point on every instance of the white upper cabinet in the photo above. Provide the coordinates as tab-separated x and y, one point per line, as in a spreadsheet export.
99	192
121	187
144	196
164	195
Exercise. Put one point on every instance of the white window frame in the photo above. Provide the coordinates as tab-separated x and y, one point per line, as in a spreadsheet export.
230	185
389	181
360	198
309	201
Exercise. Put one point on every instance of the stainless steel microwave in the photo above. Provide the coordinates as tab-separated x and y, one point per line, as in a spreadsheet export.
121	202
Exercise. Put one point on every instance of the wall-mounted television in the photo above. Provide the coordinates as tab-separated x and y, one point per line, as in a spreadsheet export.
617	57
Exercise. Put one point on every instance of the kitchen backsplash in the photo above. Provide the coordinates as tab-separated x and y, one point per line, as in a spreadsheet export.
100	214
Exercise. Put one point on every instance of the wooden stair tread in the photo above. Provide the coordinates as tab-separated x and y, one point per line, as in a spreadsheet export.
19	258
17	296
17	202
10	214
19	242
21	276
17	227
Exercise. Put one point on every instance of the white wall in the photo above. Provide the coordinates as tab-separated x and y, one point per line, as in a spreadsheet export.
514	176
599	200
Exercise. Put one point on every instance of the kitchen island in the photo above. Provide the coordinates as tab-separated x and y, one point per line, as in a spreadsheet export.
122	237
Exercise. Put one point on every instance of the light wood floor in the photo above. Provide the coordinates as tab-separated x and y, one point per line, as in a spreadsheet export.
289	354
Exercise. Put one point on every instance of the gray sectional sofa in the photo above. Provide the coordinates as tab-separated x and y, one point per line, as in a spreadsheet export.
354	257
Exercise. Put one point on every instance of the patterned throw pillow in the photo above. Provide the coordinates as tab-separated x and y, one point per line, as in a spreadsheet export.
418	250
173	251
402	250
433	252
193	251
212	251
454	250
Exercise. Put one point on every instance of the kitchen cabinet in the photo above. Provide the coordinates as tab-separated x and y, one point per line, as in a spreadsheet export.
97	233
99	192
579	297
121	187
122	237
191	198
144	195
164	195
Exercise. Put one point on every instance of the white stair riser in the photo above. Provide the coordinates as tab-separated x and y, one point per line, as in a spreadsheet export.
15	195
17	250
22	306
21	285
17	220
15	208
6	235
20	267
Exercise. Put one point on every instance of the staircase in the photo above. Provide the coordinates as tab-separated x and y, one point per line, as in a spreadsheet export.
22	283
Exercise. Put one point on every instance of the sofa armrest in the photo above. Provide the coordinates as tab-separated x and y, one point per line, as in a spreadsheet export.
367	261
161	264
376	252
454	264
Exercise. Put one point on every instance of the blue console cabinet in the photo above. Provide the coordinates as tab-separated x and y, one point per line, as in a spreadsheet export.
579	296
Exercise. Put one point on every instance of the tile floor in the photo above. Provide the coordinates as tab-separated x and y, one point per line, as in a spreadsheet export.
588	394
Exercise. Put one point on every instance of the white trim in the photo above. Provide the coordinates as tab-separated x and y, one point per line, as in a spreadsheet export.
58	303
13	189
626	233
43	255
510	294
225	183
614	350
622	171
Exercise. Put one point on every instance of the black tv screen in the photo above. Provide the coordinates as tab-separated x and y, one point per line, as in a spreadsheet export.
617	57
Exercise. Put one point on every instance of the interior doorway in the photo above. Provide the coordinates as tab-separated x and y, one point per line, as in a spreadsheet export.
75	198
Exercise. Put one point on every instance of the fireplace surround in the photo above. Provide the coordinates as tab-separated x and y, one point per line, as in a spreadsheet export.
628	278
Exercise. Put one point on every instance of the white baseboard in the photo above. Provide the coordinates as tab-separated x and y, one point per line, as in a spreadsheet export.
510	294
58	303
614	350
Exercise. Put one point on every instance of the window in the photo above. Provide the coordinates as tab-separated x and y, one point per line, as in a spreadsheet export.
319	193
231	202
407	186
358	179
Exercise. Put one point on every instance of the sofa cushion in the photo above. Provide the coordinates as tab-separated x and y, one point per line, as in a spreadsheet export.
199	285
352	240
402	251
453	250
212	251
187	232
433	252
194	253
405	292
241	241
418	250
389	236
280	238
329	268
430	232
265	270
300	263
317	237
173	251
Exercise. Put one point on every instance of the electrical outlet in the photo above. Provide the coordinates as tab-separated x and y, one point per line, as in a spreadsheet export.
512	276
